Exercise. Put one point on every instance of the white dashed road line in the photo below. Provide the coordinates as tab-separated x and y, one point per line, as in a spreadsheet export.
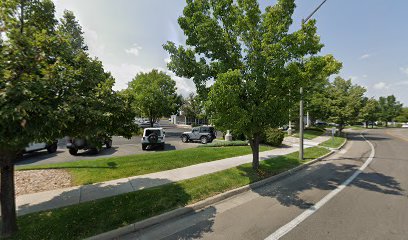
307	213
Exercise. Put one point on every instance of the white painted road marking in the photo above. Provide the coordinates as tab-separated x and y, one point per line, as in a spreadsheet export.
292	224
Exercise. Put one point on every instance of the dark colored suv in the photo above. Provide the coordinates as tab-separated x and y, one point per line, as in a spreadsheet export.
93	144
204	134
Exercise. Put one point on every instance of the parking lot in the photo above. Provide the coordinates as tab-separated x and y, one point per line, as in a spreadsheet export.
121	147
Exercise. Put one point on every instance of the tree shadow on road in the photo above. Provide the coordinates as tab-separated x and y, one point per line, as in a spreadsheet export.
290	191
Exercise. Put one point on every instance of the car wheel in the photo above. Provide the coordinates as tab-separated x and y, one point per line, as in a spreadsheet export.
144	147
109	144
52	148
184	139
204	140
73	151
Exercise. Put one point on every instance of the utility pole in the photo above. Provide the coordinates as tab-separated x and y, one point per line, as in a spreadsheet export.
301	125
301	117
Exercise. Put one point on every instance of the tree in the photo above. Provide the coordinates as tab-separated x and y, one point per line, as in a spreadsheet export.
47	82
252	57
192	106
342	101
154	94
28	101
369	111
403	117
390	108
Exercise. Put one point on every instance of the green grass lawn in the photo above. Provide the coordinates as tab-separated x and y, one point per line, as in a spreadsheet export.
91	218
310	133
104	169
337	142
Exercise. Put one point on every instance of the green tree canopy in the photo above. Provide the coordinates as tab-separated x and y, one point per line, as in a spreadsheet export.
403	117
49	88
192	106
253	58
369	111
342	101
154	95
390	108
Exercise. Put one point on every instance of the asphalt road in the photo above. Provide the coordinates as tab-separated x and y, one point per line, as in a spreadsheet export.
121	147
372	206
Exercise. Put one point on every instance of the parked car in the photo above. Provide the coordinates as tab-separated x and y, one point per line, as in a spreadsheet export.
153	137
94	144
286	127
33	147
320	124
204	134
146	124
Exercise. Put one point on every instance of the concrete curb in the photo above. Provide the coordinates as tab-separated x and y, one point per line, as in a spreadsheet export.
202	204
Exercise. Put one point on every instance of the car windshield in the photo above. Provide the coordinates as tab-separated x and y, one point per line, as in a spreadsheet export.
152	131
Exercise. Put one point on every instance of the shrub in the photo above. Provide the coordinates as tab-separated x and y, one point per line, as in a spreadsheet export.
235	136
273	137
138	132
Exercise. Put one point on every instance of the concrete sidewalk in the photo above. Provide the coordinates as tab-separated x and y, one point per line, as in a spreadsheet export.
68	196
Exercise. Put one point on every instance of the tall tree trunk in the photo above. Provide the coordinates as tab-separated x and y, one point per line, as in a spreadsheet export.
7	201
254	142
367	124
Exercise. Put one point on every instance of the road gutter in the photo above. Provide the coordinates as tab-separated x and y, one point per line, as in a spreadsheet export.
204	203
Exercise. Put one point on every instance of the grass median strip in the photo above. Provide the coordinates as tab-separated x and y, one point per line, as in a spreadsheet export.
91	218
311	133
105	169
333	143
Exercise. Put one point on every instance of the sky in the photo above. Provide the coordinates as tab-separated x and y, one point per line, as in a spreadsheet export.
370	38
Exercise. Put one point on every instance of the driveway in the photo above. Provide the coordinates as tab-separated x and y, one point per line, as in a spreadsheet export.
121	147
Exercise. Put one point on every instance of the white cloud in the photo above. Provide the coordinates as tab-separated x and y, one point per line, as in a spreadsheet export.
364	76
123	73
404	70
184	86
167	60
381	86
135	49
401	83
353	78
365	56
96	48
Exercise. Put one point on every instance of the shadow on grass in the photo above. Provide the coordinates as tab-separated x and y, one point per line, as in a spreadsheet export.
92	217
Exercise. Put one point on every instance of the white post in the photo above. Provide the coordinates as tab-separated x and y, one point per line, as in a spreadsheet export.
307	119
290	127
228	136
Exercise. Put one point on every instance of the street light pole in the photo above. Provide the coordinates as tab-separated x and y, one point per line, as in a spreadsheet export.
301	125
301	117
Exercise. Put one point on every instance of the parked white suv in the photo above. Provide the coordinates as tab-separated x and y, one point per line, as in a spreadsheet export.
33	147
153	137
